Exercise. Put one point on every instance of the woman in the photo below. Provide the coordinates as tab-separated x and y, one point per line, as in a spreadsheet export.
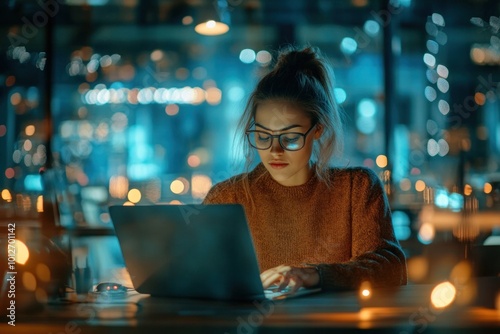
312	225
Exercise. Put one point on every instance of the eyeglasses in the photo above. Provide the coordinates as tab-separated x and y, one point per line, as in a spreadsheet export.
290	141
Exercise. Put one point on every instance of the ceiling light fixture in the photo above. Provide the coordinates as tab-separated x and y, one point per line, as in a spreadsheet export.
214	19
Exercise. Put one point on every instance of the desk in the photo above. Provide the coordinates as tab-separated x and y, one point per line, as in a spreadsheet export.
398	310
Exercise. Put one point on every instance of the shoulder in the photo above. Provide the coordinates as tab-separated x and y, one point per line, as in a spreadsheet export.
356	176
228	190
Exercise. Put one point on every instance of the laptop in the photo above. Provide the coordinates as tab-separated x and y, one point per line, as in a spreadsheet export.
192	251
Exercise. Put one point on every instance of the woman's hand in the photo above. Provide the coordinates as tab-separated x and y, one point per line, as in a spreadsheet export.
295	277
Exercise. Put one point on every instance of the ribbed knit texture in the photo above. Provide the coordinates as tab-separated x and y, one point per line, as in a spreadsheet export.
345	229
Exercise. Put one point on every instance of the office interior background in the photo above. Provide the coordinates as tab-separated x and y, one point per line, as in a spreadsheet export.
122	102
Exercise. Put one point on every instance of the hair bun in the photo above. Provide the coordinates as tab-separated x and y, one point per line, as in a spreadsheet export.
306	61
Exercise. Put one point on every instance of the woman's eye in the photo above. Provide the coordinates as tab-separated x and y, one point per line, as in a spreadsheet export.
291	139
263	138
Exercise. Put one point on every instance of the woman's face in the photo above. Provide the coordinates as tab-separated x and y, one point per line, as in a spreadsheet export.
289	168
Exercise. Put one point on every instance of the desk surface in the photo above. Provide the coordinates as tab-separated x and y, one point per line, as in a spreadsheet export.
399	310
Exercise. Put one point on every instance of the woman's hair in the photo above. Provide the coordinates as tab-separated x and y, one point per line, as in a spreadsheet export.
300	77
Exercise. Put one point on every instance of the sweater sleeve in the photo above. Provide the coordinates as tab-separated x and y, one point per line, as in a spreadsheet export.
376	254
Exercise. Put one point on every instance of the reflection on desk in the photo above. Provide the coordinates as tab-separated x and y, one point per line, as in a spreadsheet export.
405	309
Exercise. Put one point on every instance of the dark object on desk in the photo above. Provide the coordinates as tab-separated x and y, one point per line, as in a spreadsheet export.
486	260
190	251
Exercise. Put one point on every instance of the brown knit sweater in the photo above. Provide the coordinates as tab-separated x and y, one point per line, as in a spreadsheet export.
345	230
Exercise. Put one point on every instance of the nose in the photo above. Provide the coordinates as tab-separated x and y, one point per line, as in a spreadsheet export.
276	147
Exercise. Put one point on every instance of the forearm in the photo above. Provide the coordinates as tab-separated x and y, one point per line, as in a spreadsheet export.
383	267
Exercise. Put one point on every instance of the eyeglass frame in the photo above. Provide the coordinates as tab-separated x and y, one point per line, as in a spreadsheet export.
249	132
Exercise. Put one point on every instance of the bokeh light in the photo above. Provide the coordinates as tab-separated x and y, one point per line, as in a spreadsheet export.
42	272
426	233
29	130
134	195
22	252
172	109
443	295
177	186
29	281
6	195
348	45
429	60
263	57
381	161
200	185
405	184
365	290
418	268
193	161
419	186
10	173
467	190
247	56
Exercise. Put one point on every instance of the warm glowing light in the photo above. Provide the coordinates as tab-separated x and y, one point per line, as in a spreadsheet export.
29	281
10	173
6	195
198	95
39	203
461	273
211	28
28	145
187	20
200	185
426	233
175	202
118	186
156	55
42	272
477	55
365	290
487	188
443	295
177	186
419	186
3	130
213	95
134	195
22	252
10	81
172	109
30	130
193	161
418	267
381	161
467	189
127	203
82	179
479	98
15	99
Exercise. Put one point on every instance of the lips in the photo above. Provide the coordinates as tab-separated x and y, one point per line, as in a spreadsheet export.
278	164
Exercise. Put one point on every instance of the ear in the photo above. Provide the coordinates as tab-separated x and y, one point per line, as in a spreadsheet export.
318	131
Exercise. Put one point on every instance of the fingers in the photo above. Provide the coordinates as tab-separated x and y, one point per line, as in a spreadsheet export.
283	276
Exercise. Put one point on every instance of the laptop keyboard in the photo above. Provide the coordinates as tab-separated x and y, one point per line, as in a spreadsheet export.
273	292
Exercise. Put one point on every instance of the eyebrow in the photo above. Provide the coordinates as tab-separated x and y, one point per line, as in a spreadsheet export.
284	129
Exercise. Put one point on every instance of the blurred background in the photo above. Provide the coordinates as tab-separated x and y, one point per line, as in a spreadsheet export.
124	102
